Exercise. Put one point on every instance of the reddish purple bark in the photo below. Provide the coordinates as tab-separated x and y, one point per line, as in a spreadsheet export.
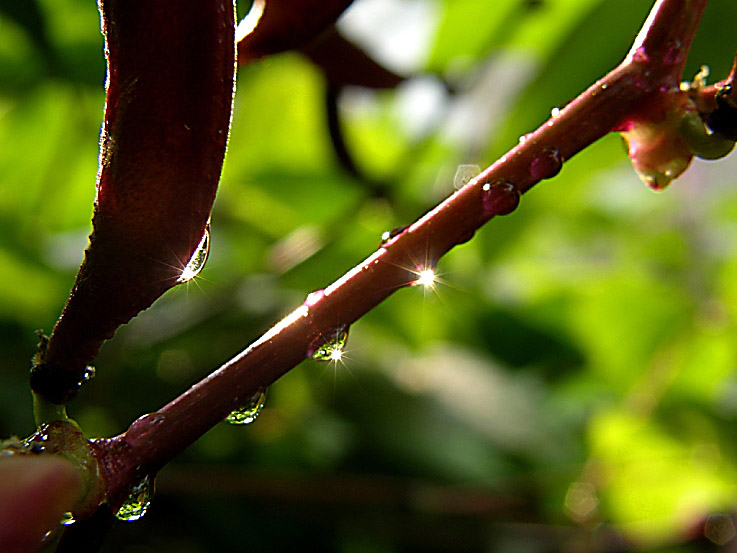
153	440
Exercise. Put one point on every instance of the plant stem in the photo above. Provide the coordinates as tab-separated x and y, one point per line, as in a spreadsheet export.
45	412
155	439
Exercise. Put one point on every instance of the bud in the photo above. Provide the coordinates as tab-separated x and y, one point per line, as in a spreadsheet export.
701	140
654	143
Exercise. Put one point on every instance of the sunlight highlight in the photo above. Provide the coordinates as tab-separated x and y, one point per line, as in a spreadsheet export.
426	278
301	312
187	274
332	349
197	261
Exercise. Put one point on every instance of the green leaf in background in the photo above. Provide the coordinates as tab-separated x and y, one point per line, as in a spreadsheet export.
571	382
652	480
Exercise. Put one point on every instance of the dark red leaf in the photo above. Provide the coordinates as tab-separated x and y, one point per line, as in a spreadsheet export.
169	94
287	25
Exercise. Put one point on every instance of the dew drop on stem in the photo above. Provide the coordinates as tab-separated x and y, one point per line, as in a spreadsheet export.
196	263
500	197
390	235
89	373
67	519
138	501
464	174
143	429
546	164
248	412
330	349
34	444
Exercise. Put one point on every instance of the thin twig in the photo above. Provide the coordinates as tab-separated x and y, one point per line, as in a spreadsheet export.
153	440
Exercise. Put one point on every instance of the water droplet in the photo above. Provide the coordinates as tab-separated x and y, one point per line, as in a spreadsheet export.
248	412
640	55
35	443
389	235
555	112
89	373
137	502
198	259
332	349
673	53
653	182
464	174
67	519
523	138
500	197
143	428
546	164
32	445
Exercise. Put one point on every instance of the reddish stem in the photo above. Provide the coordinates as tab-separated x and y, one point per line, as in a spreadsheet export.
153	440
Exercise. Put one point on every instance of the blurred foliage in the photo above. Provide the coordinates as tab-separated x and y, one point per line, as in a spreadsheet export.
570	385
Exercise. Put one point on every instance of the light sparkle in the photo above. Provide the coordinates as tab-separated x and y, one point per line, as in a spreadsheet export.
426	278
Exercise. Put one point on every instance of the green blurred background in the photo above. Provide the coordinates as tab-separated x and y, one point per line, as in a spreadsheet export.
570	385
